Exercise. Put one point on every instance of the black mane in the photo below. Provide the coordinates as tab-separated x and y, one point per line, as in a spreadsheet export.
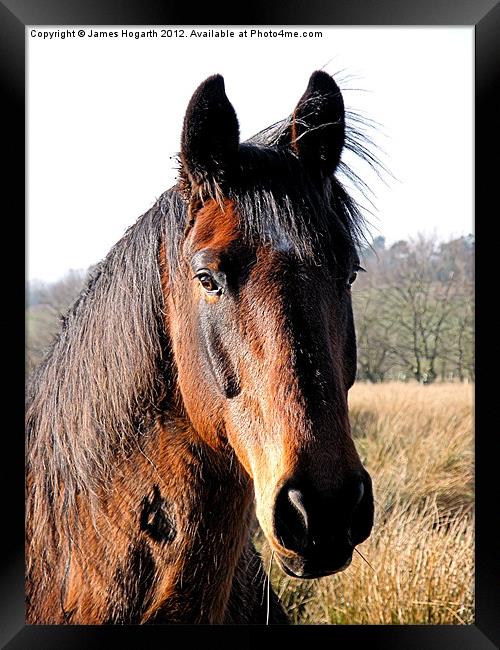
277	200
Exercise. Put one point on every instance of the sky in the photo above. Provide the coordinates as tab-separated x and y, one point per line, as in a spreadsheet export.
105	117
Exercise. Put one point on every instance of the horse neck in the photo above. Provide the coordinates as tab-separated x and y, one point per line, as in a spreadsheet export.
176	521
213	504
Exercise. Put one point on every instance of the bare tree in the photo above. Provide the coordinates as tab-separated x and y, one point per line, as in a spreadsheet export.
414	310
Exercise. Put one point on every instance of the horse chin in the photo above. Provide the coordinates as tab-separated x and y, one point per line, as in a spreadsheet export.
305	569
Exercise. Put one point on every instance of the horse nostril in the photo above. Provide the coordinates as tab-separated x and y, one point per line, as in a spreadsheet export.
362	518
291	522
297	499
361	493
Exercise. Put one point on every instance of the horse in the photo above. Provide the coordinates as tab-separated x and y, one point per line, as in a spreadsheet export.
198	387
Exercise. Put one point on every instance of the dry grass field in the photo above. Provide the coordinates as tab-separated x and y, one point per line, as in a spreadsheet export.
417	443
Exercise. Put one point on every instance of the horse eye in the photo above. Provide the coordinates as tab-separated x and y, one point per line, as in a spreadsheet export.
352	278
208	282
354	274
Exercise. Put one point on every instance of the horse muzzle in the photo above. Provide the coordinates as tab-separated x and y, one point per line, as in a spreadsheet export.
307	568
316	531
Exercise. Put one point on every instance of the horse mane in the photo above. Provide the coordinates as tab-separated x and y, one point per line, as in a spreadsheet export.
108	375
103	381
346	209
277	200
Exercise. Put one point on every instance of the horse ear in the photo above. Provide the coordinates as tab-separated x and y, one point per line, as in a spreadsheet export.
210	135
317	131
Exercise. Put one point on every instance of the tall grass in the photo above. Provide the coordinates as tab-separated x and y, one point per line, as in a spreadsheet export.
417	443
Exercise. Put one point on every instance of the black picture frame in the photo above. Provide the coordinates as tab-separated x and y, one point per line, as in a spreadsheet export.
484	15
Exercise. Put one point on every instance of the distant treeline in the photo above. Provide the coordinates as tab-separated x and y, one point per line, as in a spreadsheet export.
47	303
414	311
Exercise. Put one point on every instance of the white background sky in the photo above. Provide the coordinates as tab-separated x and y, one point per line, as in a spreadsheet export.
105	117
